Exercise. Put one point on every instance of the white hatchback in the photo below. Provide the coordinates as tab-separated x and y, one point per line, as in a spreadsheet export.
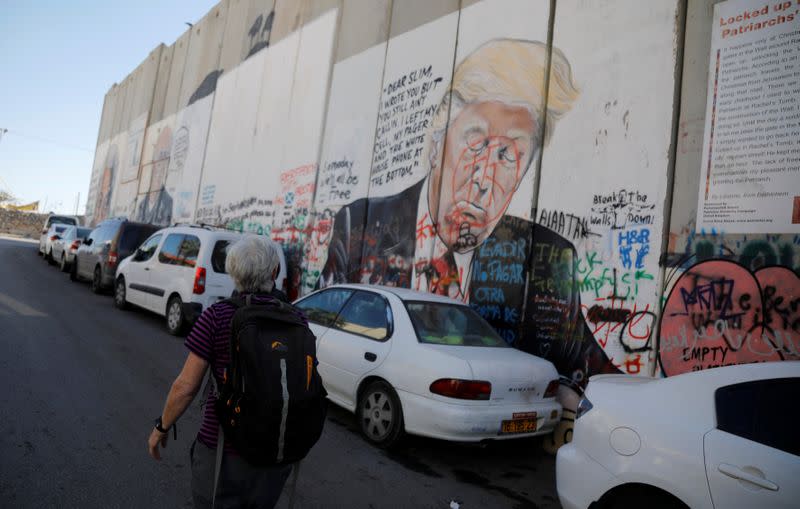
178	272
407	361
723	438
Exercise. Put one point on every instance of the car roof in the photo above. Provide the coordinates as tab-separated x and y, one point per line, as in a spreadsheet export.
404	294
199	230
709	379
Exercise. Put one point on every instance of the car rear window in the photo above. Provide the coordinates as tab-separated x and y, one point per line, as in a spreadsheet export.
451	324
61	220
132	237
219	255
757	410
60	229
83	232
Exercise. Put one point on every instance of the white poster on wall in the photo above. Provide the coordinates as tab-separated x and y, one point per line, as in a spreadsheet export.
750	171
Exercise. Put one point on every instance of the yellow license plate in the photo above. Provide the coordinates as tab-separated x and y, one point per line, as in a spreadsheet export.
518	426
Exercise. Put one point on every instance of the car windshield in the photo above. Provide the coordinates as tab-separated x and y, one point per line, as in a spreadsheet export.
451	324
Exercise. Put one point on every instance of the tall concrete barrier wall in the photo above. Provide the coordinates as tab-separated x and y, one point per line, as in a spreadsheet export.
540	161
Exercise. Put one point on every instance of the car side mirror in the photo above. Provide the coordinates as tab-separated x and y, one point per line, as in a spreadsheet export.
87	242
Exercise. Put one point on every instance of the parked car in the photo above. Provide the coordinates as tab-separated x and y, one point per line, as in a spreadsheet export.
178	272
66	245
52	235
406	361
720	438
48	222
110	242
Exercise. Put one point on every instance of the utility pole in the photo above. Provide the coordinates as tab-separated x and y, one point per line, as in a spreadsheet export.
2	132
77	201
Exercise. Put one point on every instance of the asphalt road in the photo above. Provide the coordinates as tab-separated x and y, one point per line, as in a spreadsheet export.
83	381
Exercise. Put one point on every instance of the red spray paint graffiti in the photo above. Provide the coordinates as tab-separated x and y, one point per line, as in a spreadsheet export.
719	313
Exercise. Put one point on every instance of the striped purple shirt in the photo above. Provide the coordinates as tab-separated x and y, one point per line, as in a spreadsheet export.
210	340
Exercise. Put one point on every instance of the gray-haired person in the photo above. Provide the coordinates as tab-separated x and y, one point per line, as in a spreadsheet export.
252	263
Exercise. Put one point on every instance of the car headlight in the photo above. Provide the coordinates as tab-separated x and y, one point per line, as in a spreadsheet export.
584	405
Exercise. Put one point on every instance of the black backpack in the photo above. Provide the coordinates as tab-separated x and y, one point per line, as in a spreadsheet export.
271	403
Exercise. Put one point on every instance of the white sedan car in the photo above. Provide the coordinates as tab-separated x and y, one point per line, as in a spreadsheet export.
407	361
724	438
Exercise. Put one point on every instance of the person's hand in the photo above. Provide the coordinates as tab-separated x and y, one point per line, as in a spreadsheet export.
156	437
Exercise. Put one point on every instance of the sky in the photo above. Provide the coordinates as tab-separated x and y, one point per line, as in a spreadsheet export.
57	61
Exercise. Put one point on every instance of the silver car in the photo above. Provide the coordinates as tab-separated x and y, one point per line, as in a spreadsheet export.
66	245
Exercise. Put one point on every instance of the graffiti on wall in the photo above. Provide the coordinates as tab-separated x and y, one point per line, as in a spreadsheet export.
259	33
449	232
721	313
105	190
155	206
405	115
292	220
753	251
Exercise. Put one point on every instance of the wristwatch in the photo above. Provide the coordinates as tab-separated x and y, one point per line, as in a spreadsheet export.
160	427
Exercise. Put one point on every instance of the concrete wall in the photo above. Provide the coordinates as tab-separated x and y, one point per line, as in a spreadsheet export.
428	144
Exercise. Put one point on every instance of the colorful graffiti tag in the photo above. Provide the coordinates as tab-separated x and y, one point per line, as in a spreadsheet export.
720	313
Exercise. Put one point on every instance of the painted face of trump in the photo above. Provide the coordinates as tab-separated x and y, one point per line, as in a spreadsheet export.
479	157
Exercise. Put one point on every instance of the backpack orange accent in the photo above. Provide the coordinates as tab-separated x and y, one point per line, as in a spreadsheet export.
309	368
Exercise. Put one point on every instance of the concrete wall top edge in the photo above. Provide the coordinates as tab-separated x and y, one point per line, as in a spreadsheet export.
364	23
409	14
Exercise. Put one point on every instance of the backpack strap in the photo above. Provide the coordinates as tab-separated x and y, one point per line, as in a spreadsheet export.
218	464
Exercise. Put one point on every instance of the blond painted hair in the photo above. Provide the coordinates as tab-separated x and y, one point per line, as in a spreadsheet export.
510	71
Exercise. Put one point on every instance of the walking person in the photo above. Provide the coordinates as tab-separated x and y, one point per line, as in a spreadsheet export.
256	339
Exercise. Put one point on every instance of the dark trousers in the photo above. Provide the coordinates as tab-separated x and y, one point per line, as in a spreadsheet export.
241	485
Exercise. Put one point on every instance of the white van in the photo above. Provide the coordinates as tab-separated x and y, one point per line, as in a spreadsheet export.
178	272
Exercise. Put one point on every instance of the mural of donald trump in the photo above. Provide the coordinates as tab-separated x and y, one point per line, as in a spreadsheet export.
449	233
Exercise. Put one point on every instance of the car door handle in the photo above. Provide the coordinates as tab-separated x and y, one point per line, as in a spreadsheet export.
738	473
147	268
370	356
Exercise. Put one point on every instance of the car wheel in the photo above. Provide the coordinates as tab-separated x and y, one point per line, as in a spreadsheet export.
97	284
630	497
380	415
63	265
49	257
119	294
73	270
175	318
